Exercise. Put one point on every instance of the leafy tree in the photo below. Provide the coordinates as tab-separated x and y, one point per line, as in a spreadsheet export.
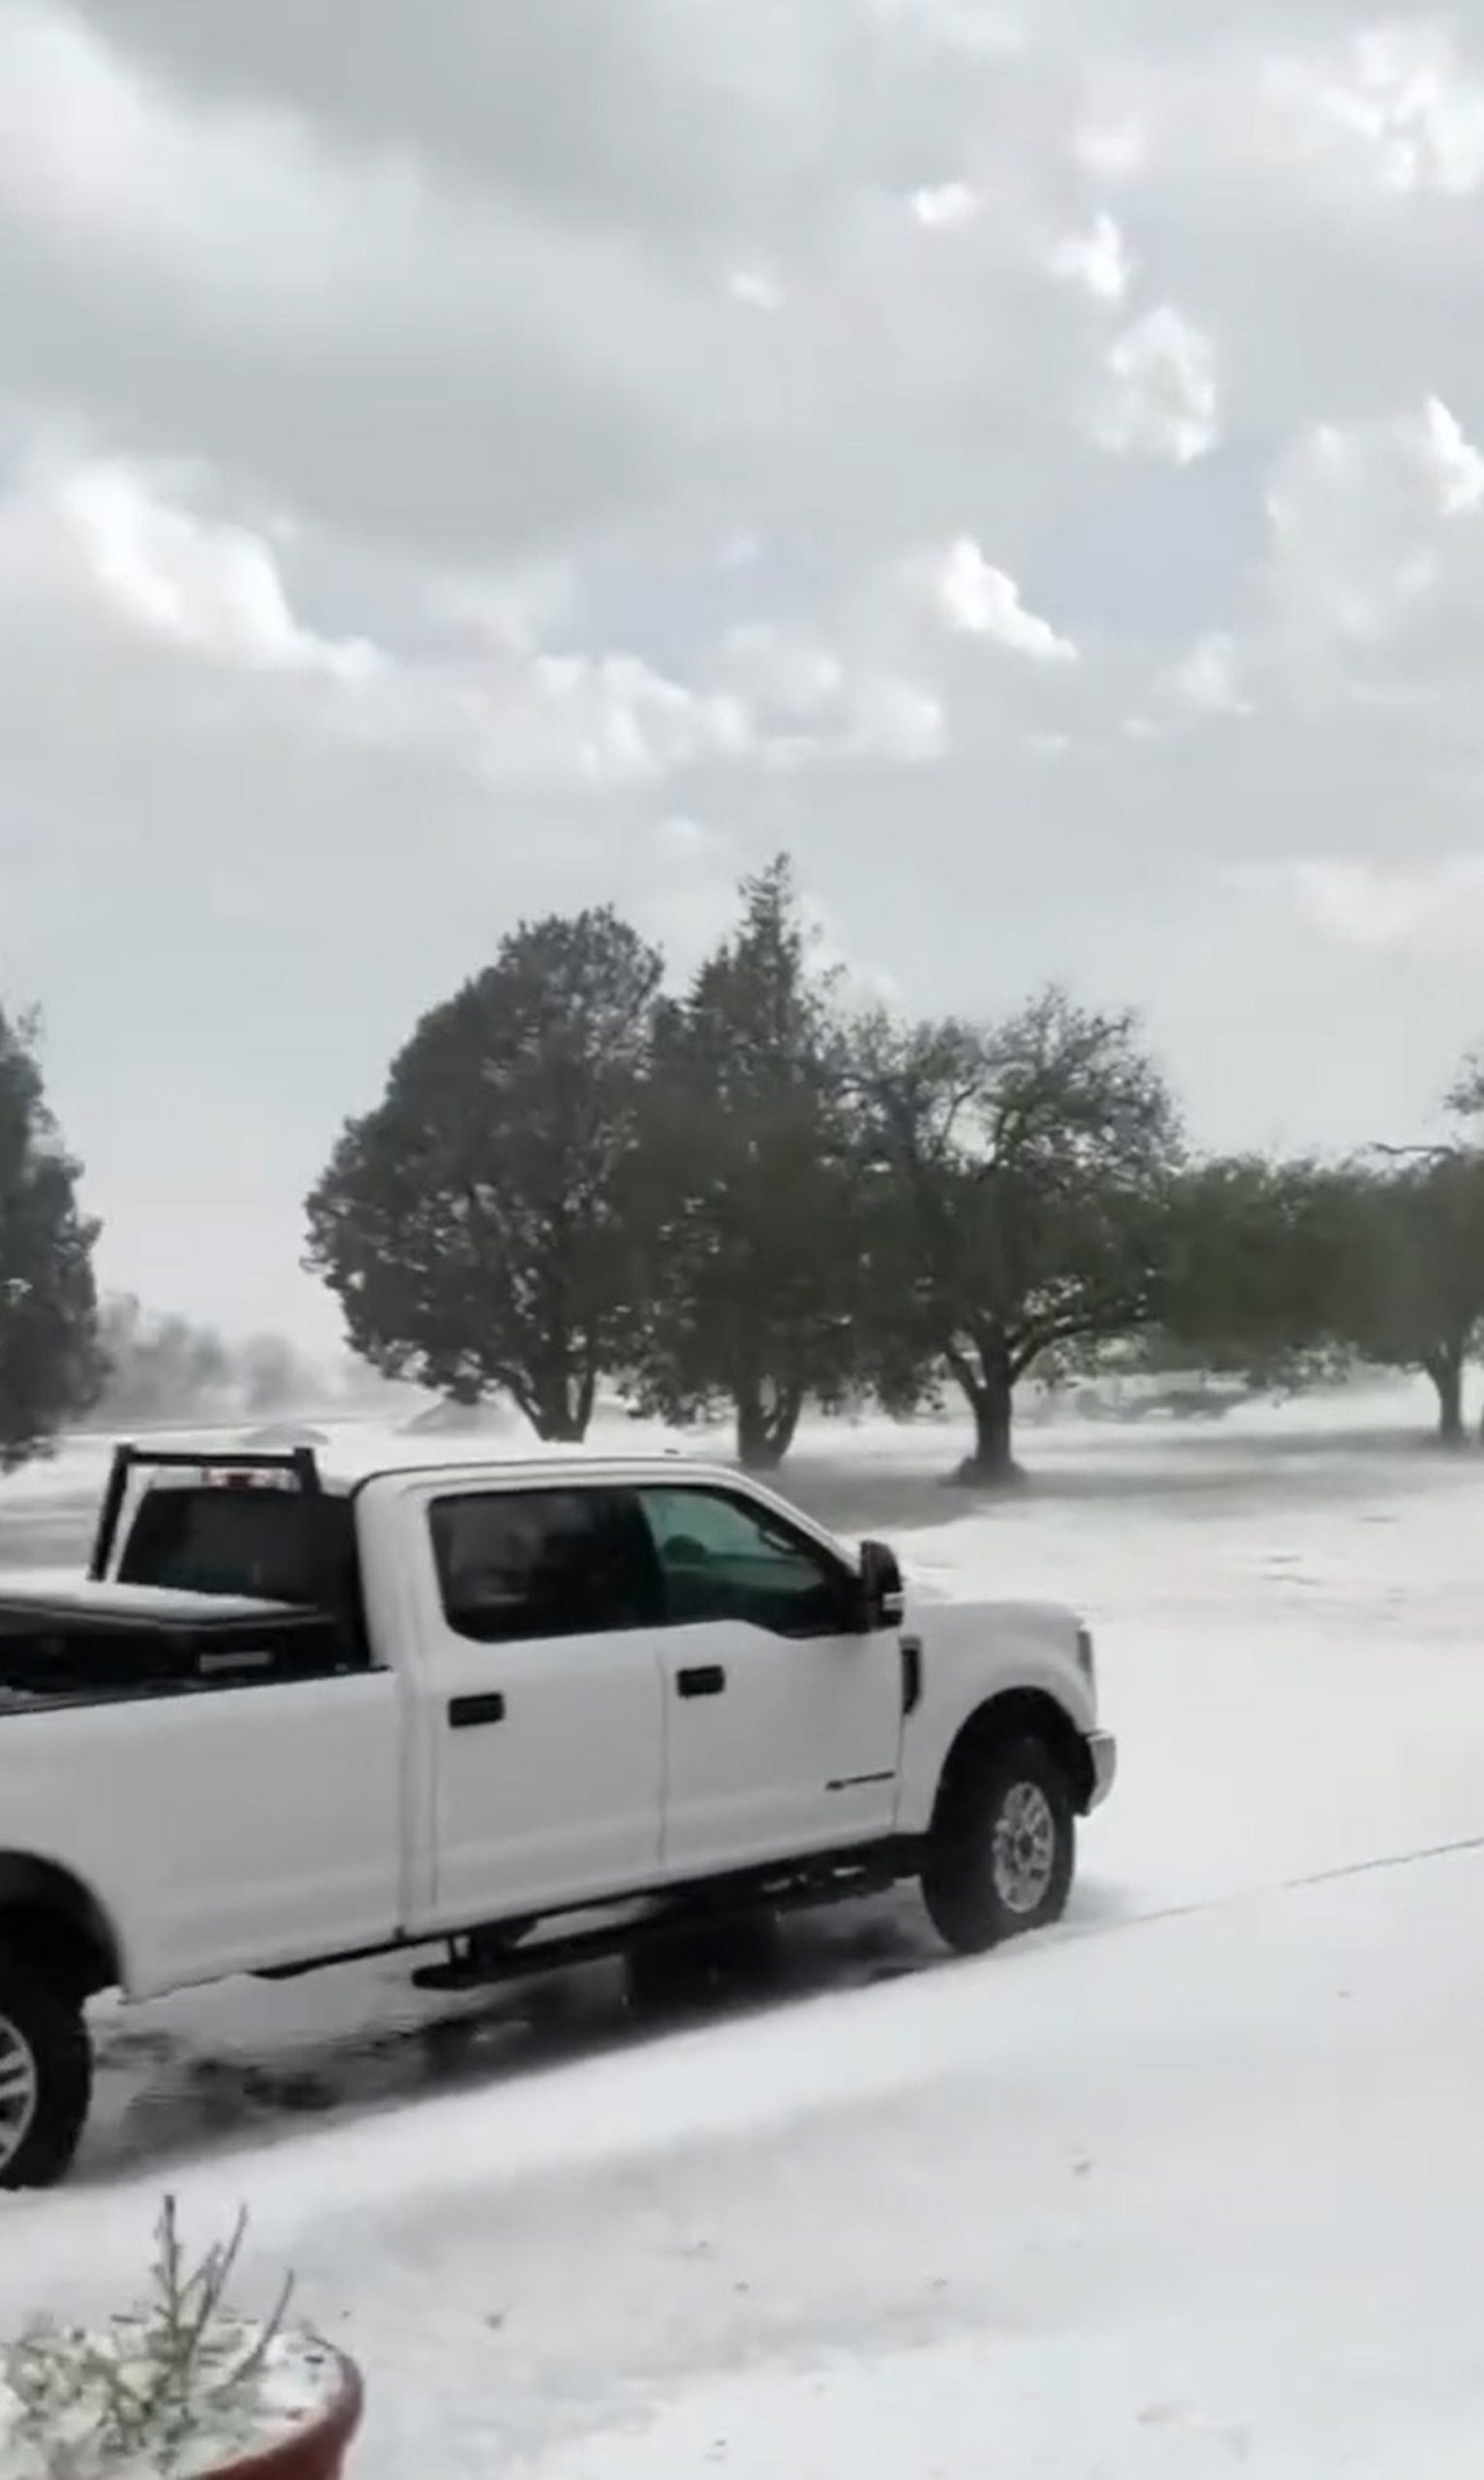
274	1377
475	1227
1260	1269
749	1187
166	1368
1414	1288
1018	1199
159	1368
50	1365
1465	1104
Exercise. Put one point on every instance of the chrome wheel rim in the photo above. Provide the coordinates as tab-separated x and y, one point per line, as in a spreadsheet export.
1025	1850
20	2092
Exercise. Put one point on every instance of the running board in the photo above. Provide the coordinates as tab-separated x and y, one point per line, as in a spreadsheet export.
484	1959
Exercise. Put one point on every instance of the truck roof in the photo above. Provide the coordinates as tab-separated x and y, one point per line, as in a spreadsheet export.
347	1461
314	1551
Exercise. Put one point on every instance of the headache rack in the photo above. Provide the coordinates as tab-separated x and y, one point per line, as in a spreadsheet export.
297	1462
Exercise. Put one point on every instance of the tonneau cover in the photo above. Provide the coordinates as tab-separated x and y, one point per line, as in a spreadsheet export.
27	1599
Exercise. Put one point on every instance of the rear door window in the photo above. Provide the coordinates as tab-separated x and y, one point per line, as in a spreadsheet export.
517	1566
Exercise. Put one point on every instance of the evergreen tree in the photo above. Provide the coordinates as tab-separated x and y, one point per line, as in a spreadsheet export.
749	1215
477	1225
50	1364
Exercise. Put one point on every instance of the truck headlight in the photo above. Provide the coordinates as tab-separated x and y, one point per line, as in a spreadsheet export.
1086	1658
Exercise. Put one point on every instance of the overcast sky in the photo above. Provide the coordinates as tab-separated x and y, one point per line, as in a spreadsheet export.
464	459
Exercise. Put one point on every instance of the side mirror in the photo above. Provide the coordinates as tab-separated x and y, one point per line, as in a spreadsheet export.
883	1600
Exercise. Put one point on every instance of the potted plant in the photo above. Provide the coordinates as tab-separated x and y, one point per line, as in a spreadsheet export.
179	2387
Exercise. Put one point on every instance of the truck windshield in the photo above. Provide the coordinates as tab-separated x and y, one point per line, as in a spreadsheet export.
272	1545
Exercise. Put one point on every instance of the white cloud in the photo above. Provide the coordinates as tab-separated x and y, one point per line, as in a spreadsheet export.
511	610
1377	907
782	671
95	153
982	602
1404	98
1162	399
1097	259
108	536
972	27
755	289
1456	462
120	551
1115	150
948	207
389	335
1207	679
616	719
901	721
1366	523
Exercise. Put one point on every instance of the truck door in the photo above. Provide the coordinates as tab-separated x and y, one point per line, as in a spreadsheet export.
782	1719
542	1693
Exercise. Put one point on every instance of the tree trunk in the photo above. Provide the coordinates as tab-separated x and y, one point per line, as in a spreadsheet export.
558	1425
991	1393
766	1429
1445	1369
560	1412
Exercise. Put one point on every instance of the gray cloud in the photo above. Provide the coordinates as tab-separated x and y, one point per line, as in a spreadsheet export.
462	461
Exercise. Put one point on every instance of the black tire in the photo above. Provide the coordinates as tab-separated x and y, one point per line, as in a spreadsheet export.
1003	1848
41	2029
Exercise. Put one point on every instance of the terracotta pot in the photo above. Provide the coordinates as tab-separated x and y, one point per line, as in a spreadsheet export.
315	2450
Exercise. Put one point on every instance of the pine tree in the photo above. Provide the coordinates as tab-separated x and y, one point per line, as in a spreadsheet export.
475	1227
750	1183
50	1364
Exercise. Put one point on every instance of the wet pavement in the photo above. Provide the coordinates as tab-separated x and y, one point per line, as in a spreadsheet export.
249	2061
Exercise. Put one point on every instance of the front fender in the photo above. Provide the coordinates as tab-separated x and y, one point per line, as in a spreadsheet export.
972	1654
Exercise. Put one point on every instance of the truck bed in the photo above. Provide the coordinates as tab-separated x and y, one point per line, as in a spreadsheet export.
68	1641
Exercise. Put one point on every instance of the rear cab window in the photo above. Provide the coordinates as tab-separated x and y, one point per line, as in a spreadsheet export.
256	1543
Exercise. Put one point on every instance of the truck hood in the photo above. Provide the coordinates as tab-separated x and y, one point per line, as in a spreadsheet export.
1053	1620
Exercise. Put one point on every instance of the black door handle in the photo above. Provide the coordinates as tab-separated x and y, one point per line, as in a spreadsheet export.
710	1680
473	1712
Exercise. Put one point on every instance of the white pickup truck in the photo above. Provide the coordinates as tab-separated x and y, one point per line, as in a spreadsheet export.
290	1719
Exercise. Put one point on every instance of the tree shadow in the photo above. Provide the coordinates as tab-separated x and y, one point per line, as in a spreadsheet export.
1179	1473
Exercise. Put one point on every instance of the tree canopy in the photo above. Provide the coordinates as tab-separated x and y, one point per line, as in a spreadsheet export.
1260	1278
739	1195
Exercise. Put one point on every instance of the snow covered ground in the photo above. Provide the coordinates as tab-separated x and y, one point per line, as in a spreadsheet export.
1195	2184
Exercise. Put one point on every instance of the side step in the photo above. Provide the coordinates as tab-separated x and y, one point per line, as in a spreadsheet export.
487	1957
481	1961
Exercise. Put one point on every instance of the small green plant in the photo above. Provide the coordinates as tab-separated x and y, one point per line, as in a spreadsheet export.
181	2375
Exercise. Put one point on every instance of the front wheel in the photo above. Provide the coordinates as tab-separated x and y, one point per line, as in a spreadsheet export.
45	2077
1001	1850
